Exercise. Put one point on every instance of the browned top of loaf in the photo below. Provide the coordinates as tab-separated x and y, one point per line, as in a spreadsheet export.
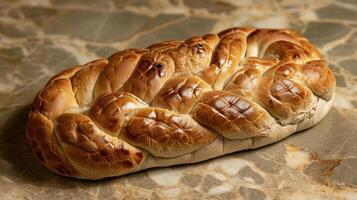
174	97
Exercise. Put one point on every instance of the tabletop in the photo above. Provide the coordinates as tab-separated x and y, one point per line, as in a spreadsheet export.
39	38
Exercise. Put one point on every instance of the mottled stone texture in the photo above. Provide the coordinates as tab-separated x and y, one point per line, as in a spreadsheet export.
42	37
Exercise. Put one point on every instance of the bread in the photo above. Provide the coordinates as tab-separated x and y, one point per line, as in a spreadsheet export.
179	102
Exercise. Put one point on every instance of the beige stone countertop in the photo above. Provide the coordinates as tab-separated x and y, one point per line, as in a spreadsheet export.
39	38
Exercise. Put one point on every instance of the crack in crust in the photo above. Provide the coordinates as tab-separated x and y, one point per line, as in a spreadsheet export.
171	101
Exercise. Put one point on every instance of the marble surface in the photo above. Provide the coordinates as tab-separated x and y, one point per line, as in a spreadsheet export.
38	38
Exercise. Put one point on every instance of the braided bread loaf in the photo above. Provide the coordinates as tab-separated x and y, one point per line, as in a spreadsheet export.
179	102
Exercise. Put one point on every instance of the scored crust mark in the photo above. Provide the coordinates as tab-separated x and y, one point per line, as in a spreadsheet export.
232	115
284	99
165	133
228	53
91	151
109	111
89	121
40	137
57	96
117	71
246	80
180	93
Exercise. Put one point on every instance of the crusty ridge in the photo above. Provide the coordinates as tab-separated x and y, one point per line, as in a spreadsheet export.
179	102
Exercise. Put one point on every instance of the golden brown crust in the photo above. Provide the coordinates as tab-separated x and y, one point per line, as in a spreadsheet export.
117	72
155	106
164	46
150	74
319	78
56	97
228	53
84	80
180	93
44	144
260	39
165	133
284	98
246	80
88	149
110	110
194	54
232	115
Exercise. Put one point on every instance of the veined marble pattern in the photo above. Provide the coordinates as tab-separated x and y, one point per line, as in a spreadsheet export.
38	38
